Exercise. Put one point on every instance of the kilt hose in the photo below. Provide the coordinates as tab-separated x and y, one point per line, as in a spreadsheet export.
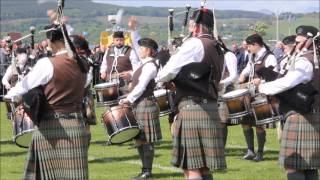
197	136
300	142
146	113
59	148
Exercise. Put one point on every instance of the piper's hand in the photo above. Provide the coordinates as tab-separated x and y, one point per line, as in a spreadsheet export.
125	75
256	82
103	76
132	24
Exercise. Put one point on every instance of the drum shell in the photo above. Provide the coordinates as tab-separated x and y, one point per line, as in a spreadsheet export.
10	105
265	109
107	93
23	128
238	105
165	101
117	118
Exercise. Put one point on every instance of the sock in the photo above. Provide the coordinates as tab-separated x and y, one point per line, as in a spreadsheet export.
224	134
248	134
311	174
207	177
261	136
141	155
148	150
296	176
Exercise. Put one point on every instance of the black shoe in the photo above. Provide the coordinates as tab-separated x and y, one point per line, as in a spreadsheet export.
259	157
250	155
143	175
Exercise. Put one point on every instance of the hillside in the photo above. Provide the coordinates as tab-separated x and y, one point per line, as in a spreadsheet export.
86	16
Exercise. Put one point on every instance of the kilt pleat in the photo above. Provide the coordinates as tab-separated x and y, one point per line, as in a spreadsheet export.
147	115
58	149
300	142
197	137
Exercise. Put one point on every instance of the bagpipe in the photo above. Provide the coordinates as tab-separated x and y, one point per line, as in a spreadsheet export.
302	96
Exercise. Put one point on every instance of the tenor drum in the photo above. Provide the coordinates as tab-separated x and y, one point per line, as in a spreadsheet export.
238	103
107	93
165	101
23	128
120	123
265	110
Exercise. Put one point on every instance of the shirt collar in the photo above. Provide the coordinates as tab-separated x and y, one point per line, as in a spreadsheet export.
63	51
260	53
145	60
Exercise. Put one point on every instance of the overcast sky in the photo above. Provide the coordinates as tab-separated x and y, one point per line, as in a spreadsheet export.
251	5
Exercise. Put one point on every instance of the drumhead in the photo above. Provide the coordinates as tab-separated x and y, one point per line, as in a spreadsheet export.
124	135
24	139
105	85
259	101
235	93
159	92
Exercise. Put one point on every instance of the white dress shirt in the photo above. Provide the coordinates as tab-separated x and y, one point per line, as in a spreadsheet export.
301	72
134	59
269	61
89	74
149	72
230	61
41	74
192	50
7	76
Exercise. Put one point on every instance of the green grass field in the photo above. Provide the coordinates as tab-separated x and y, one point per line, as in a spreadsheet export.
121	162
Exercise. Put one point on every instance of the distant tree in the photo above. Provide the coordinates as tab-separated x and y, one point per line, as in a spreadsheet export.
260	28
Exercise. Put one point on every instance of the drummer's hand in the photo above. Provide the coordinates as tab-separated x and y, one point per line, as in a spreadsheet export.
256	82
124	101
170	85
103	76
241	79
8	86
125	75
132	24
221	86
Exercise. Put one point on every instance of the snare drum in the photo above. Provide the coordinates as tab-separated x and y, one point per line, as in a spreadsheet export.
120	123
165	101
23	128
107	93
265	110
238	102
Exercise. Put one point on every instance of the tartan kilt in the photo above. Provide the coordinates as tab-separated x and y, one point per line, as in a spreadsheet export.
197	136
147	115
59	148
300	142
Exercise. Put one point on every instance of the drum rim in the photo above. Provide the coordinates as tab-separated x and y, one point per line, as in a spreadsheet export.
268	120
30	131
224	96
107	84
123	129
260	101
164	92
